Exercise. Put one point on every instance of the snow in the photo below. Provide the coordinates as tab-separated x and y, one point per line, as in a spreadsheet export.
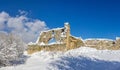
66	23
102	39
63	34
117	38
37	39
31	43
52	29
52	43
42	43
83	58
11	48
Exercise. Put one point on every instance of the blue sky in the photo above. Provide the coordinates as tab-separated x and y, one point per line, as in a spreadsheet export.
88	18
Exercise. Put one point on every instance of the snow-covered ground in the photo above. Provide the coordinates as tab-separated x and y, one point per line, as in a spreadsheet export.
83	58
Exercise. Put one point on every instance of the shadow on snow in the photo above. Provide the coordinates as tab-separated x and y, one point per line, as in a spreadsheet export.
20	61
83	63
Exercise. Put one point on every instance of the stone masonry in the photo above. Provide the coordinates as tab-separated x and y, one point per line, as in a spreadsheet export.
63	41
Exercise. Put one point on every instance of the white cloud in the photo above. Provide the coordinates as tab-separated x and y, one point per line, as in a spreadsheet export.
27	28
3	18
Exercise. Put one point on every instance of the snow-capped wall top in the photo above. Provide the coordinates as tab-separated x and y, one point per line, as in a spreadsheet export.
101	39
53	29
66	23
77	37
31	43
117	38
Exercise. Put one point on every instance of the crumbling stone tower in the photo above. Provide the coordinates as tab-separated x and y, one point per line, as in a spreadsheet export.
67	26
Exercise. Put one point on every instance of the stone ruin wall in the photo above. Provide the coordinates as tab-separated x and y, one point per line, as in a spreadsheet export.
62	36
64	41
45	37
103	44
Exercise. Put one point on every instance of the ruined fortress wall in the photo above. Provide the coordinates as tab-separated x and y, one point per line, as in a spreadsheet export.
117	42
61	35
53	47
103	44
64	41
75	42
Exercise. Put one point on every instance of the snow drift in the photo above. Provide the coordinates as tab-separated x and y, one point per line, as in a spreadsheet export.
82	58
